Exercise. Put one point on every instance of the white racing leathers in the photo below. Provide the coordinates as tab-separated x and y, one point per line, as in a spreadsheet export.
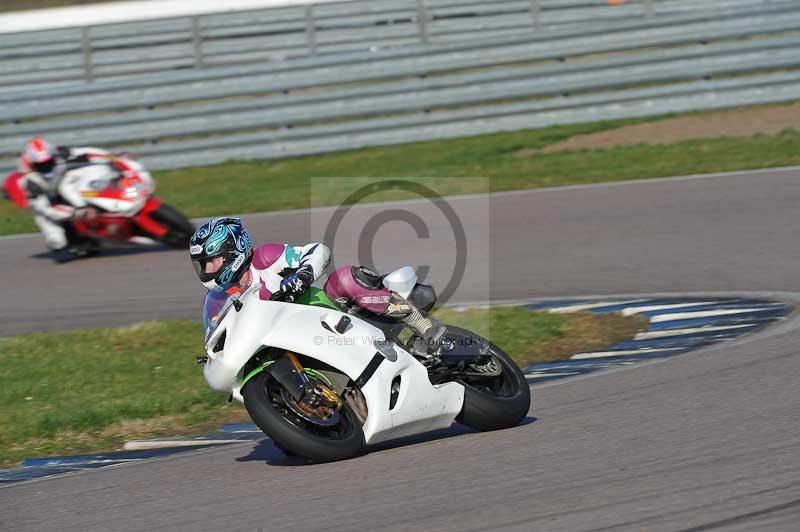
51	216
273	262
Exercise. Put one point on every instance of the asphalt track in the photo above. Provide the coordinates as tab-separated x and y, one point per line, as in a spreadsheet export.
704	441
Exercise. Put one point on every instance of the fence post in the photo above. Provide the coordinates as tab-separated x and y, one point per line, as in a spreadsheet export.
311	31
86	46
422	21
535	13
197	42
649	10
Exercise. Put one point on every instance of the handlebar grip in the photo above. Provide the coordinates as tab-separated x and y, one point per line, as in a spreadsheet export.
277	296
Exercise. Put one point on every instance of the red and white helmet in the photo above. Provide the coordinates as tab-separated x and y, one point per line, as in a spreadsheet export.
39	156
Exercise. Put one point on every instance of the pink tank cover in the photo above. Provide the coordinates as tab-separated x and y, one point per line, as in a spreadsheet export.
265	256
343	288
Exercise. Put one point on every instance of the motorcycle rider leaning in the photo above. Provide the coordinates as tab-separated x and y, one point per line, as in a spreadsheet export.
225	258
44	166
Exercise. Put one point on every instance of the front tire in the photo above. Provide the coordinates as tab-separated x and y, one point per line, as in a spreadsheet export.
263	401
493	403
179	228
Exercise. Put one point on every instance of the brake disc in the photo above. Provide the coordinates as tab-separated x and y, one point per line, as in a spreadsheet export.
321	414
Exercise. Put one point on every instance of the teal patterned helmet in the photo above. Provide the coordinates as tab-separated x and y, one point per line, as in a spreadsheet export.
221	238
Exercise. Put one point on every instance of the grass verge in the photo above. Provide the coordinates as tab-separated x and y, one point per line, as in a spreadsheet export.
512	161
94	389
532	337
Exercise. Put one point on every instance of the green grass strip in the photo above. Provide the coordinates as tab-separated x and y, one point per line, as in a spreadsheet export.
94	389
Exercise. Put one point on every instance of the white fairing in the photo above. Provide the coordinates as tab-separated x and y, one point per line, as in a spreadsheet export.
420	406
80	187
401	281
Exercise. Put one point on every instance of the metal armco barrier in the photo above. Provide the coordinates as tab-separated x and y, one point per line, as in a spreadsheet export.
276	34
316	78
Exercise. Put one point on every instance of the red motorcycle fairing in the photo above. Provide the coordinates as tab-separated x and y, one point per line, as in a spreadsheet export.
146	222
13	190
117	228
120	228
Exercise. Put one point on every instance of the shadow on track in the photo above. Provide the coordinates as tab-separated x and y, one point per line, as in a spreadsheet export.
108	252
266	450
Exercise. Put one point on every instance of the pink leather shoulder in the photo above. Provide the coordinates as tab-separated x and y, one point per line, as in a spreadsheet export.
266	255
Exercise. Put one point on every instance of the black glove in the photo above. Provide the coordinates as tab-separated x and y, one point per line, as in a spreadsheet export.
295	284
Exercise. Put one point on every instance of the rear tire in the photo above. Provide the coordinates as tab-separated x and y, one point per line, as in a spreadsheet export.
500	402
179	228
262	401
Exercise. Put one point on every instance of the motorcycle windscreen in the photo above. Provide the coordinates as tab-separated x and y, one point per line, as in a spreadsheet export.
215	306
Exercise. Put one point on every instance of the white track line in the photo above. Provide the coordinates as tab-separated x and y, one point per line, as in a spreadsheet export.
637	310
537	374
707	314
141	445
604	354
649	335
589	306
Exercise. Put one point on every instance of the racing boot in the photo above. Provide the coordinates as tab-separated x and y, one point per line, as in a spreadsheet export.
85	249
63	255
430	331
75	251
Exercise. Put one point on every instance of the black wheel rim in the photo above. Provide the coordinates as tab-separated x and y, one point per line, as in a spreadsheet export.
341	431
504	385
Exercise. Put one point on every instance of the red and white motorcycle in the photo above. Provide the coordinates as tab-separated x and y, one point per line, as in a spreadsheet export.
120	191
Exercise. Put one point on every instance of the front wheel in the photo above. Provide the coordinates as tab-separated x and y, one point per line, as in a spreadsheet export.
179	228
321	437
501	398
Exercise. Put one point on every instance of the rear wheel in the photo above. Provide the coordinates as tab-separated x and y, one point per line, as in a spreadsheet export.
501	398
322	436
179	229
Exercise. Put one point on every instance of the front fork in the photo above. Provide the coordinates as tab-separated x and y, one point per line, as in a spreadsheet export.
288	371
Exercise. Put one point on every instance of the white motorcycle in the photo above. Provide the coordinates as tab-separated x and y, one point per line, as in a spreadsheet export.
323	384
